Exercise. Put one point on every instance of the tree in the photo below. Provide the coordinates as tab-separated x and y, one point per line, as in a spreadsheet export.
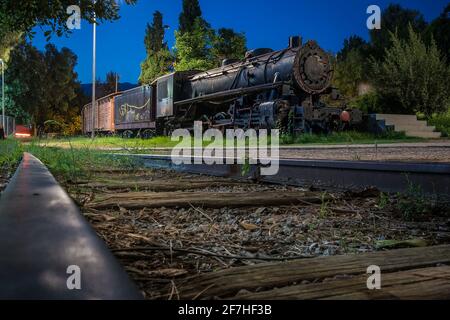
351	66
350	72
439	30
43	84
154	34
353	43
228	44
156	65
413	76
193	48
189	15
193	39
19	17
159	60
395	19
109	86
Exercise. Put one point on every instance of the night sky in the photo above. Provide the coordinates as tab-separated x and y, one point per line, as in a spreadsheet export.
266	23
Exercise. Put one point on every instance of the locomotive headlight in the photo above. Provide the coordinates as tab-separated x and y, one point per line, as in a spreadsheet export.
345	116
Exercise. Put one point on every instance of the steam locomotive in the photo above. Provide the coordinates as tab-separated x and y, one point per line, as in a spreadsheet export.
267	89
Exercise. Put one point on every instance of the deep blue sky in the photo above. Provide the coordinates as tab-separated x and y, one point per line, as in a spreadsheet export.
266	23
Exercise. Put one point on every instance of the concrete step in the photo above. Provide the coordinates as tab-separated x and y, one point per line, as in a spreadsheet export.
396	117
407	121
413	127
418	123
423	134
409	124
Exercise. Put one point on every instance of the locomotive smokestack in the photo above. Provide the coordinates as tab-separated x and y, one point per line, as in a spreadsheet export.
295	41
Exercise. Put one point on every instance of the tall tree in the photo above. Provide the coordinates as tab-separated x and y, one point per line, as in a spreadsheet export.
395	19
49	90
154	34
351	66
413	76
193	39
159	60
193	48
353	43
439	30
109	86
350	72
190	13
228	44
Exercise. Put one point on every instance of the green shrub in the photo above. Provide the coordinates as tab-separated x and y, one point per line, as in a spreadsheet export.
442	123
368	103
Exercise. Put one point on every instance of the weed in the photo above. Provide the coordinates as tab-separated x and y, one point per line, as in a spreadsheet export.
10	153
245	169
413	203
383	200
324	206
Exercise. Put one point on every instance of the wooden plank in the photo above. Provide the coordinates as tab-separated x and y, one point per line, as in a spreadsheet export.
228	282
136	200
426	283
159	186
436	289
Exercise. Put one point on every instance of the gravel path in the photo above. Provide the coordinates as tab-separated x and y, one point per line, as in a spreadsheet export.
397	153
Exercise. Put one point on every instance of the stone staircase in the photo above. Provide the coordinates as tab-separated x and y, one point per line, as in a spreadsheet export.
409	124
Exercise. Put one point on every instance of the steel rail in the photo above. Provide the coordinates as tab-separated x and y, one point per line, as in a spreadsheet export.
42	234
429	178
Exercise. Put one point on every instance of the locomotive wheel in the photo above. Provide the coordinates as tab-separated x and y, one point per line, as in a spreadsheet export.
147	134
127	134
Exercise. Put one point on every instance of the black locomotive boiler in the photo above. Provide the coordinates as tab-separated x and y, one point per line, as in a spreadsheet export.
267	89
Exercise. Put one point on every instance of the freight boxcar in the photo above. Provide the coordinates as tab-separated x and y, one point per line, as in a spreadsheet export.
133	112
104	115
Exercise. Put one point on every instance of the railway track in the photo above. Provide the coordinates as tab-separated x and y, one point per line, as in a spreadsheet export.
181	234
429	178
44	238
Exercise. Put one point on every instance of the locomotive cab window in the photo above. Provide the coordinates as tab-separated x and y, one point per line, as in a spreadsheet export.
164	106
165	89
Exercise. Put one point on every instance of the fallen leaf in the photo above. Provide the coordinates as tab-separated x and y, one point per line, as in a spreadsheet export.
260	210
139	237
248	226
